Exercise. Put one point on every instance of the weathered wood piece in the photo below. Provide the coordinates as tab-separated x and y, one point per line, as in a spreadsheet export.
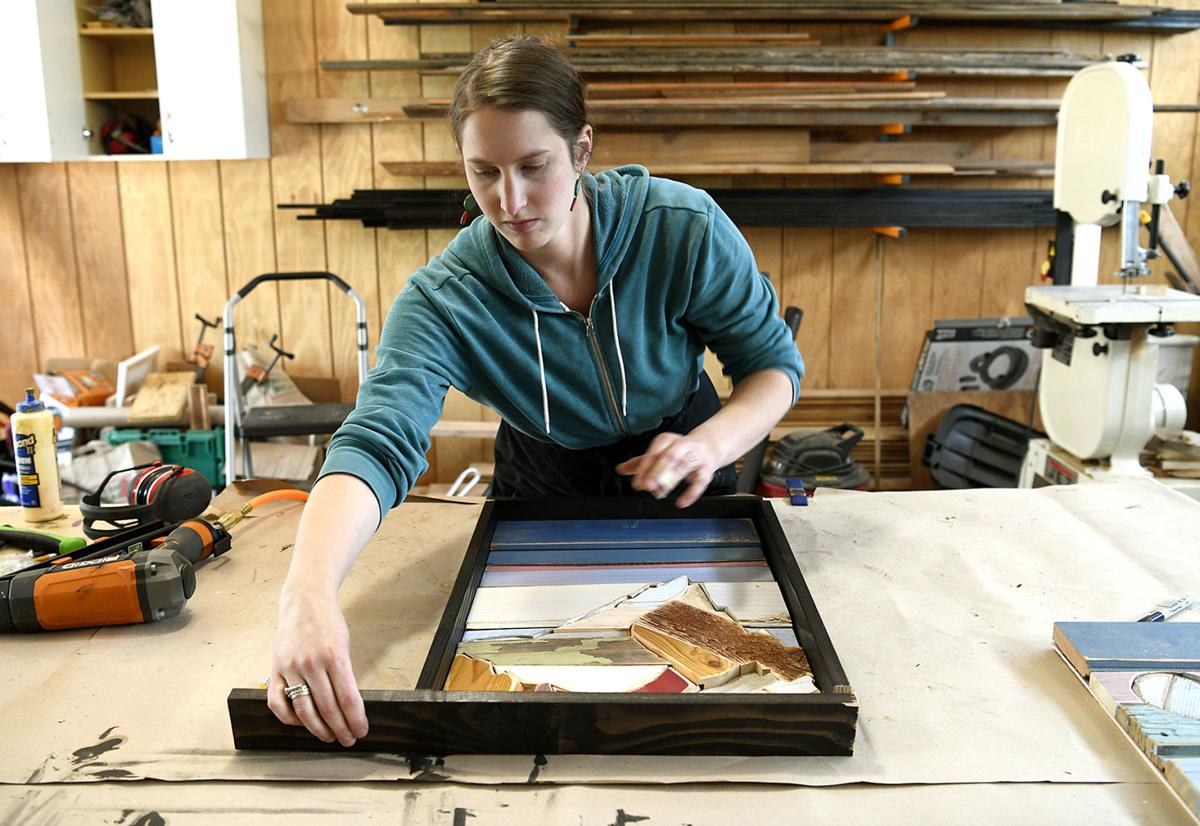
938	152
689	41
587	679
699	643
814	109
162	396
945	62
601	90
1125	646
471	674
499	576
620	614
1159	733
561	650
1083	15
763	112
1182	255
1184	777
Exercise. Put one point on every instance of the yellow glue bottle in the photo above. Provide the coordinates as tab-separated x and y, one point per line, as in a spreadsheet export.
37	460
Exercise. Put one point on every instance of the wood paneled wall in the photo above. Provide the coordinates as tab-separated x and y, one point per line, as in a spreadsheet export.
106	258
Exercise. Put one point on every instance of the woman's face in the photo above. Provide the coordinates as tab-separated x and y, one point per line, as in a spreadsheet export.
521	173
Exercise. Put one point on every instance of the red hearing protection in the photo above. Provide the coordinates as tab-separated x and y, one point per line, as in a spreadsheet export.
160	493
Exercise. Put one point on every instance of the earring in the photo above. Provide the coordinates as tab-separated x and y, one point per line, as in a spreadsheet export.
469	206
576	197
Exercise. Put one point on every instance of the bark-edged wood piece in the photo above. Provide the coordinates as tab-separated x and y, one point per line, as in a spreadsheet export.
700	644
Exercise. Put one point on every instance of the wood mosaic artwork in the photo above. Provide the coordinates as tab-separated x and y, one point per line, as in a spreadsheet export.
628	606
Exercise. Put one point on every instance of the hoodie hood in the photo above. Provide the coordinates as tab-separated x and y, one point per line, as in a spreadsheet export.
617	199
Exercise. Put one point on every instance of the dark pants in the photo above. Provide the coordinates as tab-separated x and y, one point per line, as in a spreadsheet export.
528	467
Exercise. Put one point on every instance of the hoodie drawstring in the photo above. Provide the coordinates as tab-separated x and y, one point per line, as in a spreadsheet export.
537	334
542	371
612	295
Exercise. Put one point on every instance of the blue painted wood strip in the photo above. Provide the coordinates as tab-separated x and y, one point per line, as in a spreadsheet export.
625	556
787	636
1123	646
603	533
629	573
1184	777
1160	733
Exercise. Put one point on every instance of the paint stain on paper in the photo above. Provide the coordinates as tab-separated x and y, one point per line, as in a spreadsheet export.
150	819
105	745
461	815
538	762
113	774
624	819
427	768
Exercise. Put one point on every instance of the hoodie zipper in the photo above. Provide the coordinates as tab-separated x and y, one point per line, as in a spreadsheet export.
596	354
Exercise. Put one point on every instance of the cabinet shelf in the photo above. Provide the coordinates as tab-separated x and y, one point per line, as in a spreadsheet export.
114	33
148	94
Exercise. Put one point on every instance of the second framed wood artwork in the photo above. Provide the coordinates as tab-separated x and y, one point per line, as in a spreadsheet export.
613	626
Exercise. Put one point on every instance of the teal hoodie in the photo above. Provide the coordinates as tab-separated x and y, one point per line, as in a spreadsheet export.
673	275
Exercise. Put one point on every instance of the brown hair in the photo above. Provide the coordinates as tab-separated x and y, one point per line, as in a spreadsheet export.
524	72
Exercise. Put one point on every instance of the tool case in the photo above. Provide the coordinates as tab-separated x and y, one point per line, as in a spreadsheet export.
975	448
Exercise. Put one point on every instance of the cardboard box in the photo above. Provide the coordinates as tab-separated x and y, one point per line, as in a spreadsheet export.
78	382
978	354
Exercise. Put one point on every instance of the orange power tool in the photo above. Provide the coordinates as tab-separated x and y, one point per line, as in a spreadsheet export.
137	576
127	579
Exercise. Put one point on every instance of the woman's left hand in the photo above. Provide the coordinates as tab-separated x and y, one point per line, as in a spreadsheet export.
673	458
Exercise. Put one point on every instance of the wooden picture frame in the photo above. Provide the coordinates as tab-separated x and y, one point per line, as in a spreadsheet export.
428	721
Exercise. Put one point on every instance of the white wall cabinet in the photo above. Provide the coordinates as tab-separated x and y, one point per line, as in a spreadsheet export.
199	74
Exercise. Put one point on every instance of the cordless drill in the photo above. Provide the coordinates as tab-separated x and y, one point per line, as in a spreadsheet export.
129	578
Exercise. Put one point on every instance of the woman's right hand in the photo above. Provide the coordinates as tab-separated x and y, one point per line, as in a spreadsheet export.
312	646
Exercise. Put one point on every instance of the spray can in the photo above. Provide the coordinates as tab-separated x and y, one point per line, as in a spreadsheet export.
37	460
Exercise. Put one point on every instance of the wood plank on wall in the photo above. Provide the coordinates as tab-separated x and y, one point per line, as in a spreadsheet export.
50	258
346	165
21	358
852	310
249	234
957	274
1012	257
1174	79
196	211
907	304
150	257
807	262
289	31
100	256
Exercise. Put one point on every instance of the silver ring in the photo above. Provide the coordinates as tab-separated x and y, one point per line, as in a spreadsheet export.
294	691
692	459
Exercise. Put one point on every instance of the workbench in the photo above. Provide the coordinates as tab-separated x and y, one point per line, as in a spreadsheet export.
940	604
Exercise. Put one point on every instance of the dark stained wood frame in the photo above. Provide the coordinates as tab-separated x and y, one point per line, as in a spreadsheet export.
428	721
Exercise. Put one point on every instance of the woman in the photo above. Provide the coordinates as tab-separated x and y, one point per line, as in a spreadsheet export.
578	307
